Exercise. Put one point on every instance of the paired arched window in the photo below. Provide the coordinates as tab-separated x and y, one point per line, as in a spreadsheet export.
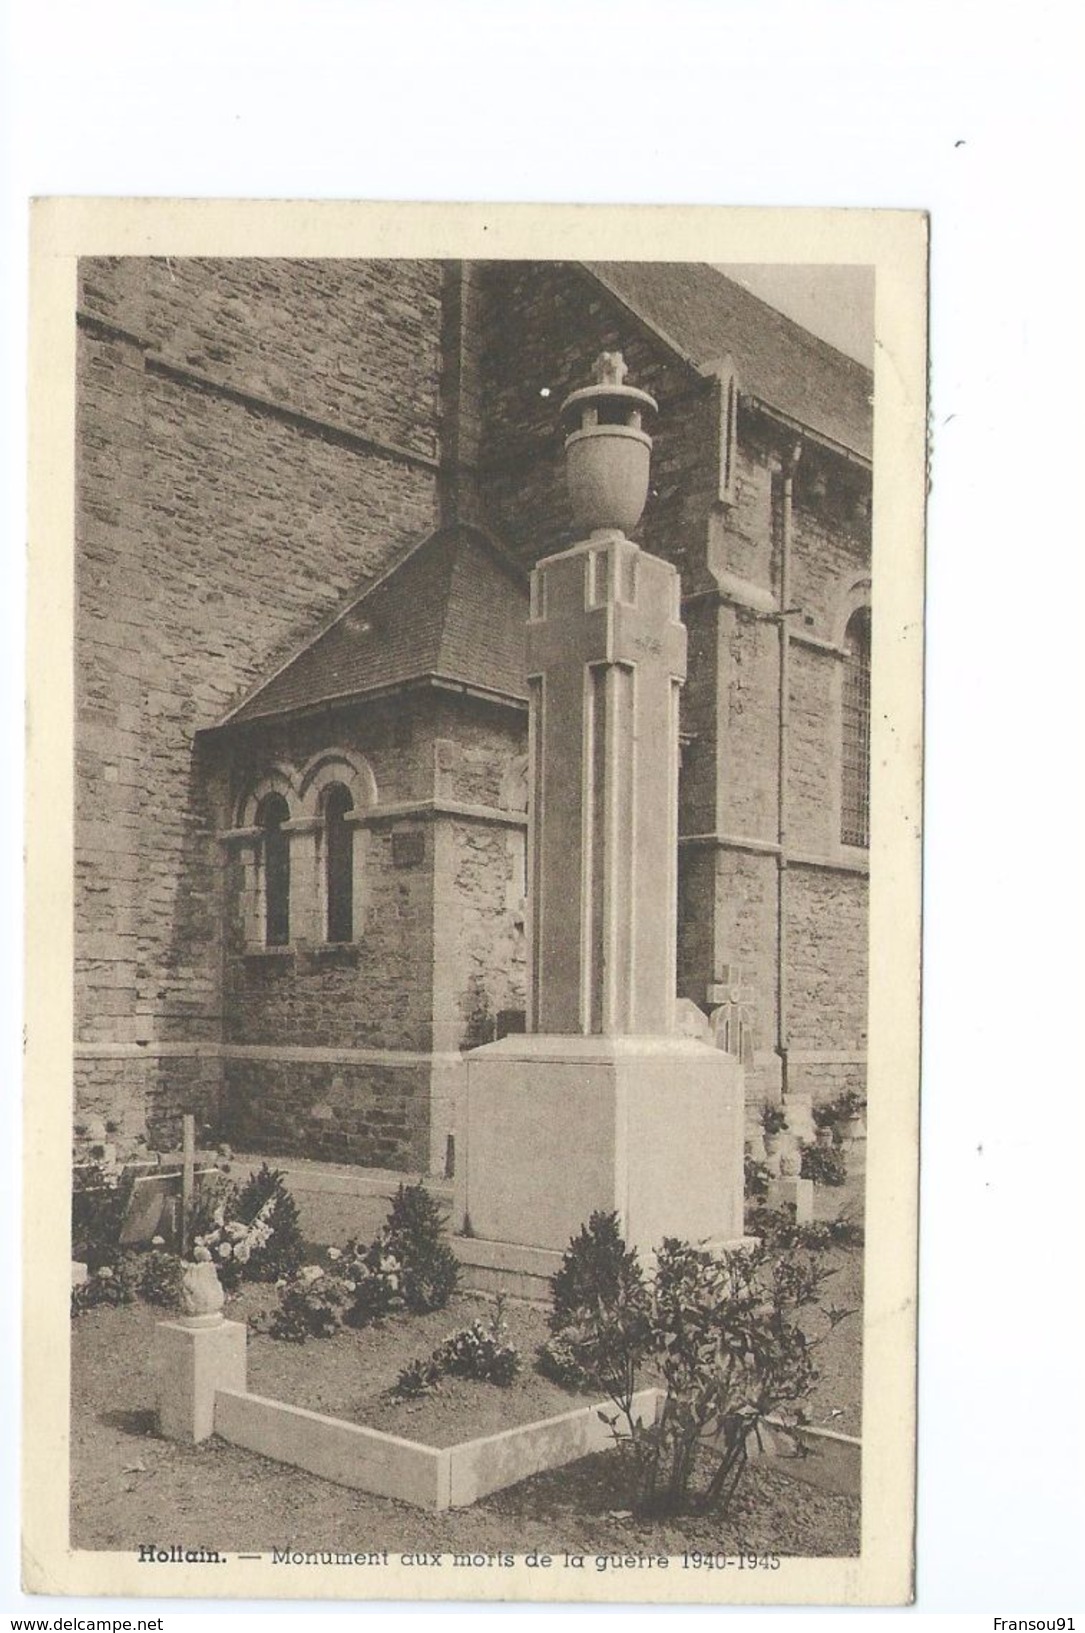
271	815
301	852
855	732
338	863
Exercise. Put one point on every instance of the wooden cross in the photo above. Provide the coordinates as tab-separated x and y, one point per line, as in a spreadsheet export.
188	1179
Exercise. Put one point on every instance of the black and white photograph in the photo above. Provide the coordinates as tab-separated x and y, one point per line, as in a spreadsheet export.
494	716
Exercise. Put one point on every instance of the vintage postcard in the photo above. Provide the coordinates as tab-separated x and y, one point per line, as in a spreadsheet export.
473	877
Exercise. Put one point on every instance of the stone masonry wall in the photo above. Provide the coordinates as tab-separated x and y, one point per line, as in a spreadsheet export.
214	532
374	1115
827	968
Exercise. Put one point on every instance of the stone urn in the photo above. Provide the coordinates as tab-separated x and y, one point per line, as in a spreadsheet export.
848	1130
607	453
202	1296
825	1137
790	1161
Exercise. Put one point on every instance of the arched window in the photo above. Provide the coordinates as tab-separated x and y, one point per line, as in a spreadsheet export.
271	814
339	863
855	732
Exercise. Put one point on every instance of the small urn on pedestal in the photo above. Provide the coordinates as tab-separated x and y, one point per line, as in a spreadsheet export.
202	1297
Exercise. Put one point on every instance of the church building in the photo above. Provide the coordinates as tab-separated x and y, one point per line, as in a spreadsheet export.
309	496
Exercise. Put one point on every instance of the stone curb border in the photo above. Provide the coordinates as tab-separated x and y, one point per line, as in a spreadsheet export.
437	1478
430	1477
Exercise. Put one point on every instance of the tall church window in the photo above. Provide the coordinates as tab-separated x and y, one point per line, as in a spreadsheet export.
339	863
855	726
272	813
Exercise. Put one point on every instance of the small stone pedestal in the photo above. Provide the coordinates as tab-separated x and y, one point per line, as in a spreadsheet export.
192	1363
793	1193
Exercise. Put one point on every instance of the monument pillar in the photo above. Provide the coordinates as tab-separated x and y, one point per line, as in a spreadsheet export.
601	1105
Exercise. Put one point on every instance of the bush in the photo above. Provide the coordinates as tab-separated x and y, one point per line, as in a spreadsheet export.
159	1278
600	1307
154	1276
110	1284
559	1360
755	1177
409	1266
100	1196
415	1234
773	1118
480	1352
825	1165
417	1378
728	1335
311	1305
777	1229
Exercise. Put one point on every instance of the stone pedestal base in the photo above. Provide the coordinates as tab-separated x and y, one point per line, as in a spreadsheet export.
560	1127
192	1363
793	1193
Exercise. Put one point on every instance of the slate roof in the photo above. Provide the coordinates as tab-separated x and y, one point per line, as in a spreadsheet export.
453	609
703	314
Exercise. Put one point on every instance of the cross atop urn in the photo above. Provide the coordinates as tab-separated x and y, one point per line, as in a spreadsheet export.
607	450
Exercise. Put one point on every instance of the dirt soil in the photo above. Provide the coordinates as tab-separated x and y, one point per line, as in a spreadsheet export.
351	1375
130	1487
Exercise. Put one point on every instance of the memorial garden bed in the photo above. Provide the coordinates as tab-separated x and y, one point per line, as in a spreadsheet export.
129	1485
352	1374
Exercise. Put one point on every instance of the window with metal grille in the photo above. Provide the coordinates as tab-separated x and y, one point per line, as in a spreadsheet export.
855	733
272	813
339	863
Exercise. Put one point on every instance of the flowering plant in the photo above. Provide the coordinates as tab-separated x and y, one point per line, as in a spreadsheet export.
231	1243
481	1352
375	1276
311	1303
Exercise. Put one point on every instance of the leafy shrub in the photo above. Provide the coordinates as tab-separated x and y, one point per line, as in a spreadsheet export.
773	1118
480	1352
110	1284
100	1196
825	1165
844	1108
154	1276
600	1306
417	1378
731	1336
755	1176
415	1233
409	1265
777	1229
311	1305
159	1278
559	1360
